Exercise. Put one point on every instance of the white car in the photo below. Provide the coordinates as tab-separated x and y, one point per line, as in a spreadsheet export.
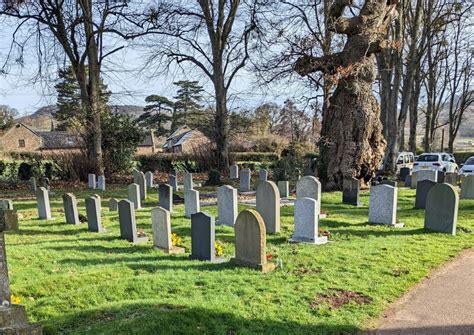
435	161
468	167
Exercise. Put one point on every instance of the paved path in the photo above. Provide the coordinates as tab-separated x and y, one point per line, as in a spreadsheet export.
441	304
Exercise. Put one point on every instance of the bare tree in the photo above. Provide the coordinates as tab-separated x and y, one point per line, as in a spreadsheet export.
352	144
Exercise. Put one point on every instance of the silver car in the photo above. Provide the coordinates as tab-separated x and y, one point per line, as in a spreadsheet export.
468	167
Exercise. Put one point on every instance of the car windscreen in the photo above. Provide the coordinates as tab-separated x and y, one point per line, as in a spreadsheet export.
470	161
428	158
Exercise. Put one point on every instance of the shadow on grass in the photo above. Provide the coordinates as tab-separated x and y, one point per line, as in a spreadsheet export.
384	231
147	318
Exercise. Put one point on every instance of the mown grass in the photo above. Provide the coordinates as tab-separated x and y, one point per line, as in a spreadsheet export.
77	282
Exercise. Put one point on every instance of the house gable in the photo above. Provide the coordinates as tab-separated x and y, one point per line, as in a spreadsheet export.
21	138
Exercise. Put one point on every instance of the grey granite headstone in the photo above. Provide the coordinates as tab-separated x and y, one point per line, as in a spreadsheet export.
101	183
161	226
383	205
408	181
389	182
136	176
234	171
70	208
42	199
91	182
309	187
467	187
245	176
451	178
173	181
404	172
203	238
188	182
306	222
149	179
284	188
227	205
165	197
268	205
441	212
94	219
191	203
441	175
134	195
262	175
113	204
33	184
422	189
142	184
128	226
351	191
424	175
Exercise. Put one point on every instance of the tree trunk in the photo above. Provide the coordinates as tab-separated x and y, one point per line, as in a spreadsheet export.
221	124
414	116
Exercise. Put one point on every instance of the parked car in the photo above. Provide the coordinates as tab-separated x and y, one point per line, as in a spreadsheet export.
435	161
468	167
405	159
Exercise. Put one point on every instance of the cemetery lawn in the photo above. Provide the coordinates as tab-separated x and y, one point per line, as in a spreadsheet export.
77	282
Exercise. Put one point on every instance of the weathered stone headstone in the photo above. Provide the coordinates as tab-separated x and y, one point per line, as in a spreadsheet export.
307	222
128	226
173	181
451	178
134	195
101	183
245	176
234	171
165	197
33	184
262	175
268	205
309	187
161	225
9	218
203	238
6	204
441	175
250	241
383	205
42	199
191	203
188	182
227	205
424	175
389	182
149	179
94	218
404	172
467	187
351	191
70	208
284	188
422	189
13	319
136	176
113	204
441	212
142	184
91	181
408	181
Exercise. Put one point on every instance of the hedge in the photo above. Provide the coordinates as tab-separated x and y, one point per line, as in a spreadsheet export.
461	157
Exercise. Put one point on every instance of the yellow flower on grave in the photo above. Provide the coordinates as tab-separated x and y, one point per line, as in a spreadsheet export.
15	300
219	248
176	240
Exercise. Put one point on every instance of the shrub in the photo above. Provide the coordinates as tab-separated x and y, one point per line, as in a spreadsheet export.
213	178
25	171
461	157
294	159
3	167
72	166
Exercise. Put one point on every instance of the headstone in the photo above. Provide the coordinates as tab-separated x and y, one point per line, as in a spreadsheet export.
142	184
47	184
383	205
389	182
441	212
245	176
203	238
424	175
404	172
262	175
227	205
408	181
6	204
173	181
13	319
33	184
42	199
91	181
9	219
284	188
94	219
191	203
70	208
467	187
165	197
188	182
128	226
306	222
440	176
161	225
268	205
136	176
149	179
422	189
309	187
250	242
113	204
234	171
351	191
451	178
101	183
134	195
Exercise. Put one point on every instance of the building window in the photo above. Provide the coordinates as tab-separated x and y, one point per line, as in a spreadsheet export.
21	143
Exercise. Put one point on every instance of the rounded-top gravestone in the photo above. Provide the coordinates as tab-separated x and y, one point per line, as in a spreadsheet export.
441	212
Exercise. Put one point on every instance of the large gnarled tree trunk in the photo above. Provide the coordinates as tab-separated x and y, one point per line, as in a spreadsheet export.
351	142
